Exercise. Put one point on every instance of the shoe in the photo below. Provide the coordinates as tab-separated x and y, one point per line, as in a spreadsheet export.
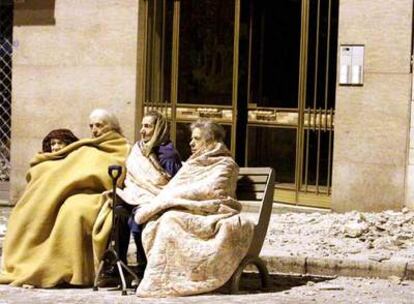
109	278
135	283
108	281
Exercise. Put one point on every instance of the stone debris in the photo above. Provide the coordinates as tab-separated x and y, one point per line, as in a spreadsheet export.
379	257
330	287
355	229
394	279
376	236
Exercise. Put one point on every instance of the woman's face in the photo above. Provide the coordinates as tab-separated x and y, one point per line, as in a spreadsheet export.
98	126
57	144
147	128
197	140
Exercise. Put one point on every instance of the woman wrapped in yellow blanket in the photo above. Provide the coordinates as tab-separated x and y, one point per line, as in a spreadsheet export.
59	228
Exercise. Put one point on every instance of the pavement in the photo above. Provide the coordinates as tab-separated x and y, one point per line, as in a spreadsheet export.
284	289
313	255
354	244
303	241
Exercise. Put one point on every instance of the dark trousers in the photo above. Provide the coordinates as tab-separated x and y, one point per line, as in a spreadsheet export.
124	226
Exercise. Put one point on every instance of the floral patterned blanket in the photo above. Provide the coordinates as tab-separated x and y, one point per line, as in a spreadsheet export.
194	237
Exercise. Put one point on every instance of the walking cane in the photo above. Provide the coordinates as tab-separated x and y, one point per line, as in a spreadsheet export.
111	256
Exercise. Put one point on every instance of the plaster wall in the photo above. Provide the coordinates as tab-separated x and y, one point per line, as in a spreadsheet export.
372	121
85	59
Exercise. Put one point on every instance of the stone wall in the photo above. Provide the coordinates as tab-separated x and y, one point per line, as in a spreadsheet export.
62	69
372	121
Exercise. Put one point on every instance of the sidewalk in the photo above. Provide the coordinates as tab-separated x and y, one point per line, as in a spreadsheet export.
374	245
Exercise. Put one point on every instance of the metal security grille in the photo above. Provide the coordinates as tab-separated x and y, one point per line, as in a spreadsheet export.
6	48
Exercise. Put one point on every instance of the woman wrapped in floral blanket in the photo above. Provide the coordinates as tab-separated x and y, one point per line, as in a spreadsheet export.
194	236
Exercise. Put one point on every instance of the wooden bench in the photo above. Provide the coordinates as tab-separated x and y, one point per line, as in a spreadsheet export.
255	185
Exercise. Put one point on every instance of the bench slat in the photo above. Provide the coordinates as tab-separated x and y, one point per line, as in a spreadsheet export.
257	184
253	178
255	170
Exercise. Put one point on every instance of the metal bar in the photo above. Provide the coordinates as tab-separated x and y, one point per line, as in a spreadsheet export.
262	26
197	105
315	81
146	74
307	154
331	129
150	5
328	45
235	75
163	35
141	66
154	54
250	53
302	94
330	152
174	67
316	63
157	104
318	153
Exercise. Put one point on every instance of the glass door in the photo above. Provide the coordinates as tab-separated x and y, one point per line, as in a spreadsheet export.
291	95
190	70
263	69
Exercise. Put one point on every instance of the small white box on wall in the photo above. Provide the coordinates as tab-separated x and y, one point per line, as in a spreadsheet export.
351	70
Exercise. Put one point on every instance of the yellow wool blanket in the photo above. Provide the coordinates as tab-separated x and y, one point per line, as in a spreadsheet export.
59	229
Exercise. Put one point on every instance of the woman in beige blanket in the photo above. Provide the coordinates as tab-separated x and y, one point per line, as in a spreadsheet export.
194	237
58	229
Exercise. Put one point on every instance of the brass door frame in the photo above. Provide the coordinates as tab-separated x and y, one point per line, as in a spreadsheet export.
174	107
303	119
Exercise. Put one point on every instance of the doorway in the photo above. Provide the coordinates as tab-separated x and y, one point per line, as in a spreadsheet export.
265	70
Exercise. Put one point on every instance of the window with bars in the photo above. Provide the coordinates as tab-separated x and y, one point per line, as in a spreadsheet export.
6	50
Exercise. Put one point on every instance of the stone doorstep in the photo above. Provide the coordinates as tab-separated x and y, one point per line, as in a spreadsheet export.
402	268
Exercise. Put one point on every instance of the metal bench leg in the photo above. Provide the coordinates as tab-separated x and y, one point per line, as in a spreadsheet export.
261	267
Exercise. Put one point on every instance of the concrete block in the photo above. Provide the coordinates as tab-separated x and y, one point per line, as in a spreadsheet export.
356	268
322	266
285	264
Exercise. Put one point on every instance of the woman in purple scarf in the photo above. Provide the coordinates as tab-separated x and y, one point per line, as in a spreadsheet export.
152	162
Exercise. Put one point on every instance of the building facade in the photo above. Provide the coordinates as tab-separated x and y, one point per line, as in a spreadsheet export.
321	90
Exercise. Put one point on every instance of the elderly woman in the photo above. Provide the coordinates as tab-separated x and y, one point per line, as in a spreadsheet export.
57	139
59	228
102	121
194	237
150	166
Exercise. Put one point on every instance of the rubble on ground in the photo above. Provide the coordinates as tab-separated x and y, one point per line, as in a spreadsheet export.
376	236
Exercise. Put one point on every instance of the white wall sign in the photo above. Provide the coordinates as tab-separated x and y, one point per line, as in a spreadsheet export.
351	64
